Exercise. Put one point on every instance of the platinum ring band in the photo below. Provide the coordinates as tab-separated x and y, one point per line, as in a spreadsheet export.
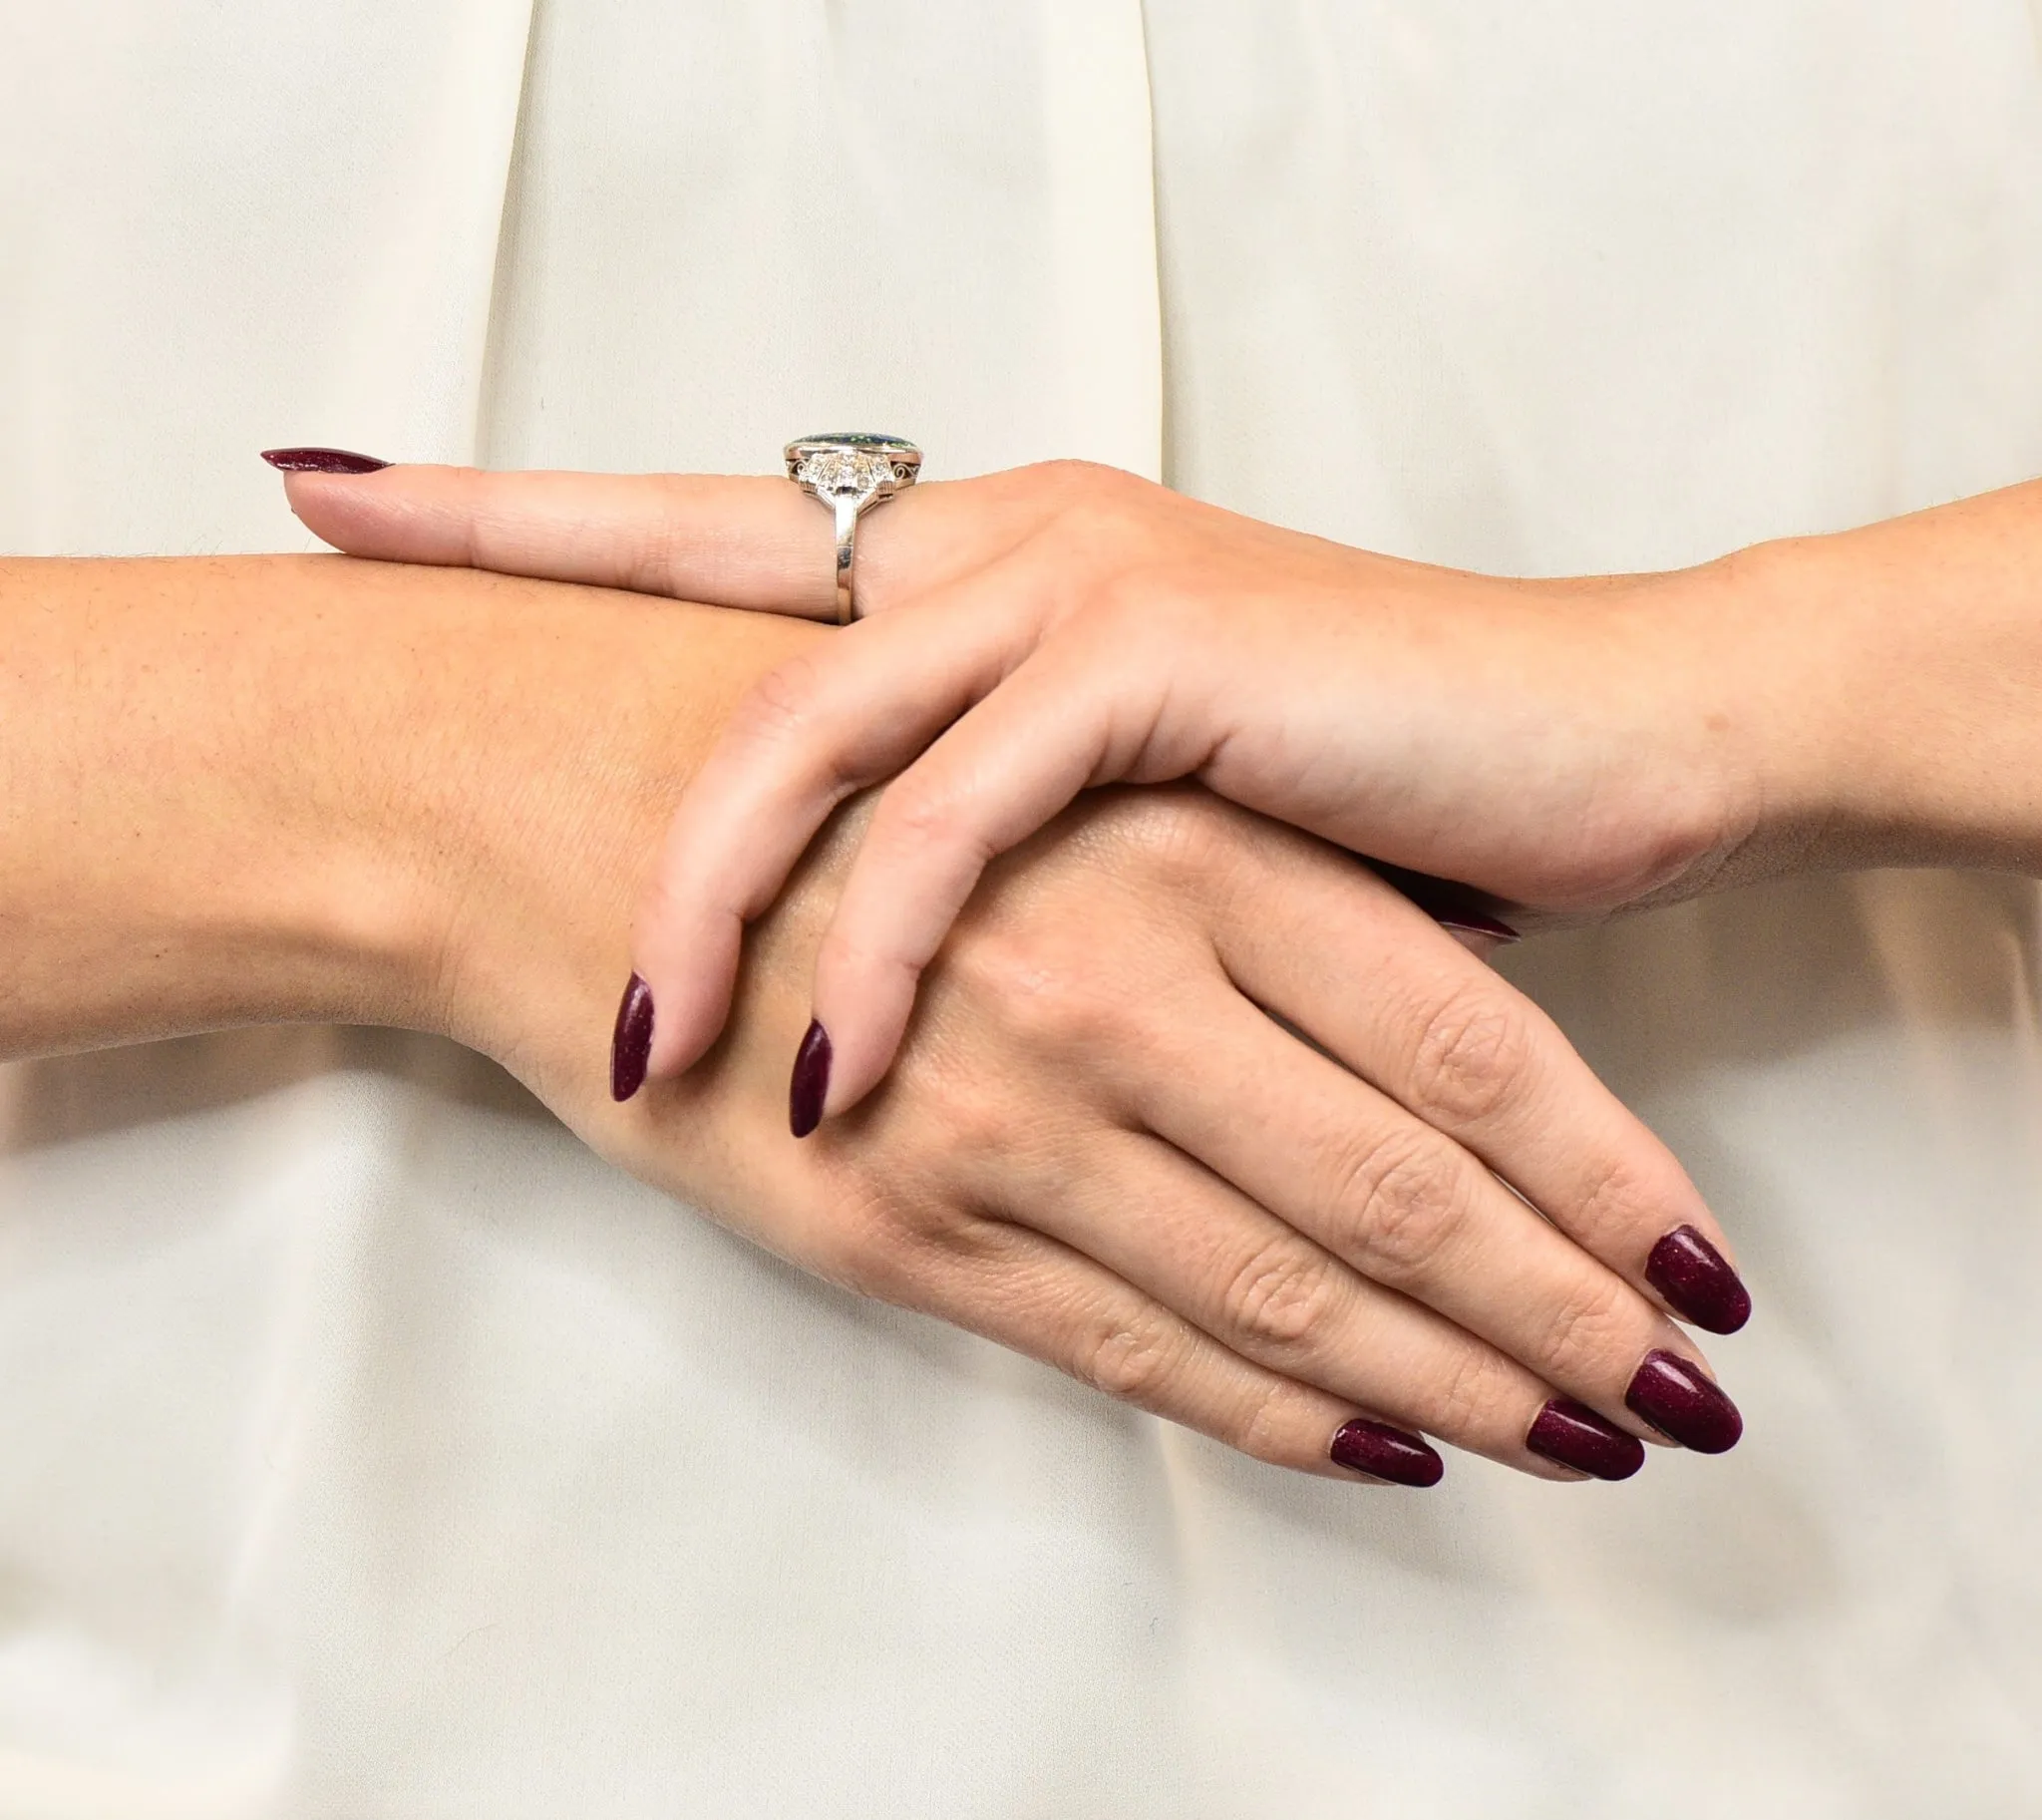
850	471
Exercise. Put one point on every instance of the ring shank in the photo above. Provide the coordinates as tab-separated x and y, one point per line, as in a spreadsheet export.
850	471
847	548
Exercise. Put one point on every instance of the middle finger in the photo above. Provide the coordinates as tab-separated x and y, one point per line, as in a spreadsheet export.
1408	1207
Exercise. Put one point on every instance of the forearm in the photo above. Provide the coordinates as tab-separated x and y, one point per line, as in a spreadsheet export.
261	789
1887	682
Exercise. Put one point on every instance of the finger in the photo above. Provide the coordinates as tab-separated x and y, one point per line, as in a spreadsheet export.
1269	1294
727	539
744	541
1399	1202
1468	1055
1069	717
1039	1297
806	737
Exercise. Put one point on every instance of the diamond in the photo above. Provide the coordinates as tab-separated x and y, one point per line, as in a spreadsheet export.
845	472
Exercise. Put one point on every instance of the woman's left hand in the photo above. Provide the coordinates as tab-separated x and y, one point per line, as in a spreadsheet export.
1559	747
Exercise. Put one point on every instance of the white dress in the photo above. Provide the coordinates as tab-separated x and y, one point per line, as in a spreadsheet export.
370	1449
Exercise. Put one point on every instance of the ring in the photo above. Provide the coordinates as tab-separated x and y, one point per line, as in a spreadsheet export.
849	473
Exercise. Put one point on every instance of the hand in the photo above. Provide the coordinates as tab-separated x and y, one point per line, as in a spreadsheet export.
266	789
757	542
1100	1146
1059	627
1148	1140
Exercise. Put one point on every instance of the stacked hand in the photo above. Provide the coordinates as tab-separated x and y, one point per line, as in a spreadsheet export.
1031	634
1161	1183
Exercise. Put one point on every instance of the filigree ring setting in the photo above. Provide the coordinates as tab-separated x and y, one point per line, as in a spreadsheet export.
850	473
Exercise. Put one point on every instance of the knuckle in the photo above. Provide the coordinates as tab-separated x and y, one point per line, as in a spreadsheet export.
1073	483
1585	1332
782	704
1473	1053
654	550
1618	1197
1474	1387
863	1247
928	1223
1281	1298
1099	516
1042	993
916	813
897	1248
1402	1196
1268	1426
976	1112
1068	476
1131	1362
1175	839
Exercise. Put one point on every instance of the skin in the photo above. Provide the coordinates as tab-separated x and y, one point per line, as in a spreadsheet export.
264	789
1568	748
1571	748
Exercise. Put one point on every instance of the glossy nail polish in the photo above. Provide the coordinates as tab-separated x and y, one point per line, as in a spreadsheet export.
1683	1404
321	461
1697	1282
1571	1434
631	1045
809	1086
1385	1453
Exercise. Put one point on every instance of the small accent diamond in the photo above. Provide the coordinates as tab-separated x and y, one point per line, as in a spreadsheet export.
851	471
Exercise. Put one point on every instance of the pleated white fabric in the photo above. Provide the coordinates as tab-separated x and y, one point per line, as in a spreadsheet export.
373	1450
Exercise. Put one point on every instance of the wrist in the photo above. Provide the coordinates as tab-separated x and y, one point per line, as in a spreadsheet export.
1751	727
561	728
180	847
1894	677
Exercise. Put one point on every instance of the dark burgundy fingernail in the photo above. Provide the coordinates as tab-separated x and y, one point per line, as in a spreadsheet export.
1697	1282
1477	923
1387	1453
1573	1434
809	1086
1683	1404
1450	904
322	461
631	1045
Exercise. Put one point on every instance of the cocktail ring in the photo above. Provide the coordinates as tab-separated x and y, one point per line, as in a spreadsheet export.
849	473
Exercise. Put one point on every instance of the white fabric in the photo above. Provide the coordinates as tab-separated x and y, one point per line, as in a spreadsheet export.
372	1450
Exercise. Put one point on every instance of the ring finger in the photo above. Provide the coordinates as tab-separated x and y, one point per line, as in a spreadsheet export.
1409	1209
1266	1292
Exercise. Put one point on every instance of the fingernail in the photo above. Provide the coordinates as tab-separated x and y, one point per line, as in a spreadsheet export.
1387	1453
809	1086
321	461
1683	1404
1573	1434
1450	904
631	1045
1475	923
1697	1282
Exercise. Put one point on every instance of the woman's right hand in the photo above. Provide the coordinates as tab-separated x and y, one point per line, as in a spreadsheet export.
1194	1106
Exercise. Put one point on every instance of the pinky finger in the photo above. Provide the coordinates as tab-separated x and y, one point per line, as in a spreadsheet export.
1045	1301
